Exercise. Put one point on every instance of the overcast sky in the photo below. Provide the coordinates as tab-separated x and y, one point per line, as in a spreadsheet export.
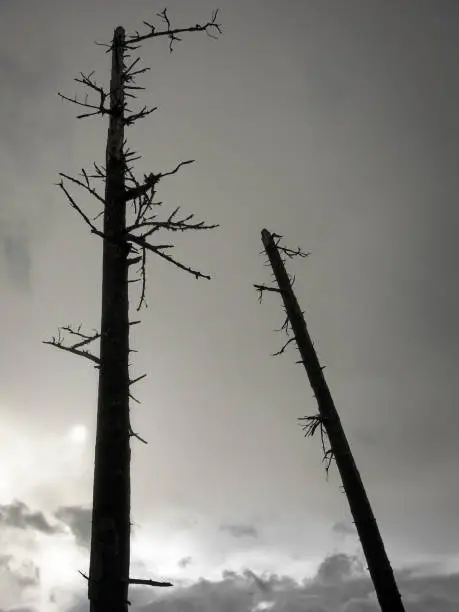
332	122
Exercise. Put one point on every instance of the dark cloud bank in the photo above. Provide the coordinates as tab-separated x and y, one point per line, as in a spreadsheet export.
340	585
18	515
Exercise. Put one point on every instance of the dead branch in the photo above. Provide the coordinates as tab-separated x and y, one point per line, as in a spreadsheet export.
75	348
143	279
97	109
151	181
262	288
86	339
86	185
135	380
209	28
134	399
132	261
144	581
285	327
290	253
313	423
94	229
129	74
148	582
101	172
133	434
133	117
156	249
282	349
170	224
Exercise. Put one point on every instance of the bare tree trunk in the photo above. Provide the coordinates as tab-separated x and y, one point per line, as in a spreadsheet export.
130	222
110	540
378	563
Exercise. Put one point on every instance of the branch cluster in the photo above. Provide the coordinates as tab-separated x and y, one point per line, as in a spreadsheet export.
139	194
210	28
146	223
312	423
290	253
80	340
129	117
96	109
141	197
284	251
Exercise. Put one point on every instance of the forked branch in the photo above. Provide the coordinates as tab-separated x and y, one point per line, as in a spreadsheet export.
210	28
76	347
158	250
83	215
151	181
96	109
262	288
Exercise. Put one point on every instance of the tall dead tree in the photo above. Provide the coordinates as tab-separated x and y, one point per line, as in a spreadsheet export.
328	423
130	223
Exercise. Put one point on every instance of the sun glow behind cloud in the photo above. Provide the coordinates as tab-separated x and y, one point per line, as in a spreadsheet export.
78	434
39	467
59	561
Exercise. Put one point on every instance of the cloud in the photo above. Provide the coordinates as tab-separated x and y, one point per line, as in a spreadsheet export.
17	515
16	252
78	519
261	584
17	580
344	528
346	589
25	574
338	567
240	531
185	561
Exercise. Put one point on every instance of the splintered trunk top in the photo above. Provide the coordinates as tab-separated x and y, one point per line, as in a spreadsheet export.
110	540
365	522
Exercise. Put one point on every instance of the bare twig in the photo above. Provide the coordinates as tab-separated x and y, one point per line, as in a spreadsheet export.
282	349
313	423
152	180
84	216
133	434
155	249
135	380
97	109
148	582
86	185
134	399
133	117
86	339
209	28
262	288
58	342
143	279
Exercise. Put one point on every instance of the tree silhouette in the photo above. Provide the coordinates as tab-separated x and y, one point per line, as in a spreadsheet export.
334	442
130	231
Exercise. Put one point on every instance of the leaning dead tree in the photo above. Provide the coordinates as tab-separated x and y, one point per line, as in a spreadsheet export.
327	422
130	232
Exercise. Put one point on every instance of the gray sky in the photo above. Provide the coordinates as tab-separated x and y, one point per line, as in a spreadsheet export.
331	122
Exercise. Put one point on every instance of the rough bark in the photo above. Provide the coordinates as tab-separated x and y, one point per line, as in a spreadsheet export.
373	547
110	540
